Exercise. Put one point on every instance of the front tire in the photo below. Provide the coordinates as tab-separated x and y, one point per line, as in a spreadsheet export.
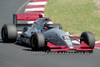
37	41
88	38
9	33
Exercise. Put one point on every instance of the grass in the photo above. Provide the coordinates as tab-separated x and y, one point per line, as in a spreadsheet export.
75	16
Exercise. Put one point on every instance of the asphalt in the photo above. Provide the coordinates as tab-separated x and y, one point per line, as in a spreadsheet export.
14	55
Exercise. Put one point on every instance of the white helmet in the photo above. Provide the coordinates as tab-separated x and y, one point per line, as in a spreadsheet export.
49	22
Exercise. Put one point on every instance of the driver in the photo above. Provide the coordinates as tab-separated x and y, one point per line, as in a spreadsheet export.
48	24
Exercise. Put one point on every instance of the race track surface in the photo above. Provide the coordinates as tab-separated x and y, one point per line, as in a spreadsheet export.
14	55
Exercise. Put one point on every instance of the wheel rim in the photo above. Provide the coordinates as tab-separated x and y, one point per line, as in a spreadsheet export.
32	41
3	33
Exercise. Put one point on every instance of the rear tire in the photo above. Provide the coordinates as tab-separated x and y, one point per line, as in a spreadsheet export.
88	38
37	41
9	33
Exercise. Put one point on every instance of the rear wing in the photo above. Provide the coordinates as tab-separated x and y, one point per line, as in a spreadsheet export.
26	17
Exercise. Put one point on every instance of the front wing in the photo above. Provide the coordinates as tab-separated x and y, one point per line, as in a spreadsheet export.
80	47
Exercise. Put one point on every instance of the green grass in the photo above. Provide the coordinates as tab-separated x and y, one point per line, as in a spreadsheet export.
75	16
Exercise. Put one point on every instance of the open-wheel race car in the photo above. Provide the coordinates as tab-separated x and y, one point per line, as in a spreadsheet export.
42	33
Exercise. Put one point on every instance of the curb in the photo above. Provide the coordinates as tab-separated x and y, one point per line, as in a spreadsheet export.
35	6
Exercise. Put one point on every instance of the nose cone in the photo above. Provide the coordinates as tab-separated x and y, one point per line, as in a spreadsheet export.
68	41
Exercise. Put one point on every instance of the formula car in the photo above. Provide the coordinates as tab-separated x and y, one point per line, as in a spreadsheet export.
42	33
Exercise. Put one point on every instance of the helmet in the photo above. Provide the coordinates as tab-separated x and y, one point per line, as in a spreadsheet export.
47	20
48	24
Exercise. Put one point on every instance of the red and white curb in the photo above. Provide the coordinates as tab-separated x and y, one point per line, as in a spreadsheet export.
97	44
37	6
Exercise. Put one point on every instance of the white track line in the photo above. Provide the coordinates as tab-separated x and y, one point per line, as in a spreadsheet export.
38	3
34	9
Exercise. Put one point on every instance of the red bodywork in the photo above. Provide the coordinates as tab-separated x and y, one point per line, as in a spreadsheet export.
28	17
81	47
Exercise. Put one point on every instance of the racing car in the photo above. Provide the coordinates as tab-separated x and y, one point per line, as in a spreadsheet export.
43	33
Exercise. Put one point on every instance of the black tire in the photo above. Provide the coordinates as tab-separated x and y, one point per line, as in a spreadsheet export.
9	33
88	38
37	41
